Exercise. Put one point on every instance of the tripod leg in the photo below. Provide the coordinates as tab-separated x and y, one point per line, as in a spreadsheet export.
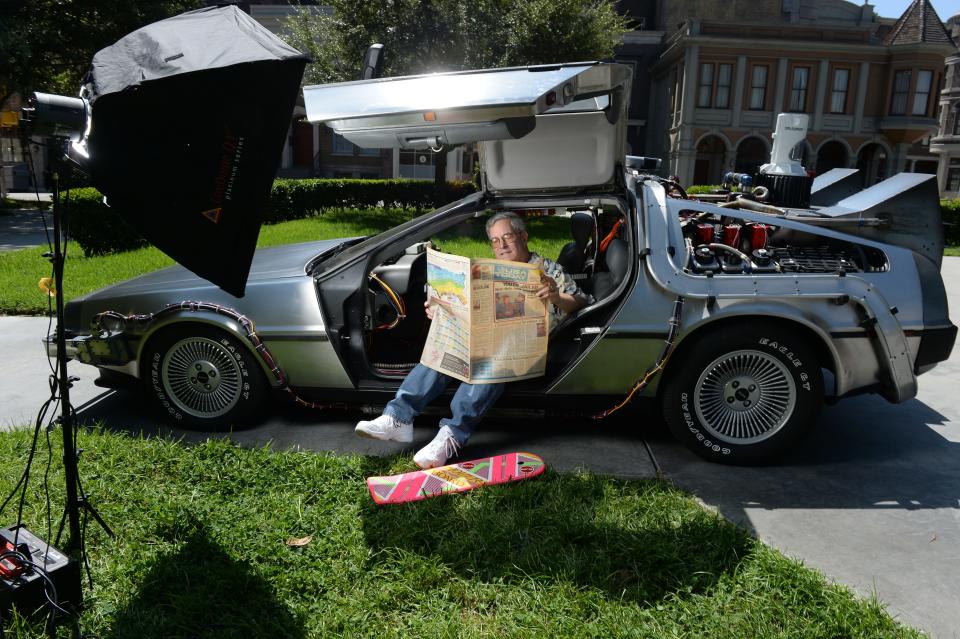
63	519
93	511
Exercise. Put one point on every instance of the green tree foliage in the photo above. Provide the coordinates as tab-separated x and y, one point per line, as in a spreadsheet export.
423	36
47	45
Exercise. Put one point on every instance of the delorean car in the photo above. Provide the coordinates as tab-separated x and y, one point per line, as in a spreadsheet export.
739	318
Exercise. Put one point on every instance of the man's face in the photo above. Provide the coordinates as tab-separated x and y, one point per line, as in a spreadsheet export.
506	244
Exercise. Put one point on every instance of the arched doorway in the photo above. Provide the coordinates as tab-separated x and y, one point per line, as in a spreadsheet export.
751	153
872	162
832	155
708	165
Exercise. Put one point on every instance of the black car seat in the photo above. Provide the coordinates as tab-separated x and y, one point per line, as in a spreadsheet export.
617	257
576	257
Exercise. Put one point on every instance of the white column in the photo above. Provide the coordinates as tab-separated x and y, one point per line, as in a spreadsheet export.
691	75
781	85
862	78
898	163
685	151
737	89
454	162
396	161
821	92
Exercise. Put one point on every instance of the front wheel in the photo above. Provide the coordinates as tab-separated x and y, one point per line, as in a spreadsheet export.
743	395
202	377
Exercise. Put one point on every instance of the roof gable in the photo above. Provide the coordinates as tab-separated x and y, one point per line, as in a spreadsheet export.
919	23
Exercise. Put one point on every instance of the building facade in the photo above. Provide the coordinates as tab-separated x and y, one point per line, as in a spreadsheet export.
946	145
871	86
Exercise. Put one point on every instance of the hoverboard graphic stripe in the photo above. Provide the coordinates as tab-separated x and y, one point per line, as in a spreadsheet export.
513	469
381	489
408	486
497	469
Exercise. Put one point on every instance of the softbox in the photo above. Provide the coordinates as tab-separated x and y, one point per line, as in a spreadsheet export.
189	117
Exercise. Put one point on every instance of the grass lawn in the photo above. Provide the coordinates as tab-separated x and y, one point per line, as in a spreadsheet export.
21	270
952	251
201	552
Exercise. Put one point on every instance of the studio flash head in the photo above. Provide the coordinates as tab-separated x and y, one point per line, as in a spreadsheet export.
55	116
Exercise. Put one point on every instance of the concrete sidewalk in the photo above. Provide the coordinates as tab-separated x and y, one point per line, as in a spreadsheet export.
23	228
24	375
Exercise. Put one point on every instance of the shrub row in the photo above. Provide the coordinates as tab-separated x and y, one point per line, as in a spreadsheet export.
99	229
950	210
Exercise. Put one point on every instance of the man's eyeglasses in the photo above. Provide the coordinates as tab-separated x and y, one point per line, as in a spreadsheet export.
503	240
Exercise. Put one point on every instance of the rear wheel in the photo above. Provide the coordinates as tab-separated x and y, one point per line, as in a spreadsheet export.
202	377
743	395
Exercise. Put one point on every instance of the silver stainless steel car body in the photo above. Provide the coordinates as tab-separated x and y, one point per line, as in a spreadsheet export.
875	316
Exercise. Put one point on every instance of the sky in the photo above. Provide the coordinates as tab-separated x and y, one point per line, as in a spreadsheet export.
895	8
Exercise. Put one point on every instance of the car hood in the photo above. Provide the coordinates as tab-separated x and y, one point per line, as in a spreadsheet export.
278	262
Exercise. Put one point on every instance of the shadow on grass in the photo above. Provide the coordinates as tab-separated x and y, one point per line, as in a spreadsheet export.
566	529
200	591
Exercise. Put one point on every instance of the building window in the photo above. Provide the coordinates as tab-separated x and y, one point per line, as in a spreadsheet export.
953	177
724	75
921	95
838	95
798	91
956	121
714	88
705	88
901	88
758	88
341	146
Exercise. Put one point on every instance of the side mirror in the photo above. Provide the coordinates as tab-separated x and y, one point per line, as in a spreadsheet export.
372	62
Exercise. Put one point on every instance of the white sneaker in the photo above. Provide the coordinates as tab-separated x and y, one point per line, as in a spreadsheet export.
387	428
437	452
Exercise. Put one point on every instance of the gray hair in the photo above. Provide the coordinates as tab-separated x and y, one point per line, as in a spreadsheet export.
516	222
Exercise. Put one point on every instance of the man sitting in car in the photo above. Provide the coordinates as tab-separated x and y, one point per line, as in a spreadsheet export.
508	238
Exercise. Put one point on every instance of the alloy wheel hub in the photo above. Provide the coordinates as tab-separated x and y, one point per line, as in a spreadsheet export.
202	377
745	396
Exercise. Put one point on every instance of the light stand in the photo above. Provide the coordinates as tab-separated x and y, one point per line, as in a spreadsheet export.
75	501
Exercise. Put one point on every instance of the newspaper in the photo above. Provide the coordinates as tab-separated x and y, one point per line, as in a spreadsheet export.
489	326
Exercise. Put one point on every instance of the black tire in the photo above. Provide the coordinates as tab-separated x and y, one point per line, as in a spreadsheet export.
202	377
743	394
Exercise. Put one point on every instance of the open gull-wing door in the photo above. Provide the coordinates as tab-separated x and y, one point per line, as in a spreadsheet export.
572	114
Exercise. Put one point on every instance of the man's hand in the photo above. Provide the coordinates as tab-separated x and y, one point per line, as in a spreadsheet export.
549	291
428	307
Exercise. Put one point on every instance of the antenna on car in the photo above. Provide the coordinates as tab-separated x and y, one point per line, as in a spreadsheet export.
372	62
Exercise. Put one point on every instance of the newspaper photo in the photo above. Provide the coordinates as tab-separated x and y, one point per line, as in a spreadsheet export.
488	325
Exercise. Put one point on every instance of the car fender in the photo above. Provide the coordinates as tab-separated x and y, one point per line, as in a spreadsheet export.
772	310
208	318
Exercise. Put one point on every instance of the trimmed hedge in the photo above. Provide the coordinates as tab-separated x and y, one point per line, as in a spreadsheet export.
698	189
99	229
950	211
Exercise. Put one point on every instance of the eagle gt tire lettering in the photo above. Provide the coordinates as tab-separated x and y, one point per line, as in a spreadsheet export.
743	394
203	377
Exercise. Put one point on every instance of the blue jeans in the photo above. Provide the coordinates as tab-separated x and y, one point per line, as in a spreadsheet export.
424	384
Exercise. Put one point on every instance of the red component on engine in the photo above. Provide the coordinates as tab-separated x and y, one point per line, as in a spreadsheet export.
758	236
705	233
731	235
